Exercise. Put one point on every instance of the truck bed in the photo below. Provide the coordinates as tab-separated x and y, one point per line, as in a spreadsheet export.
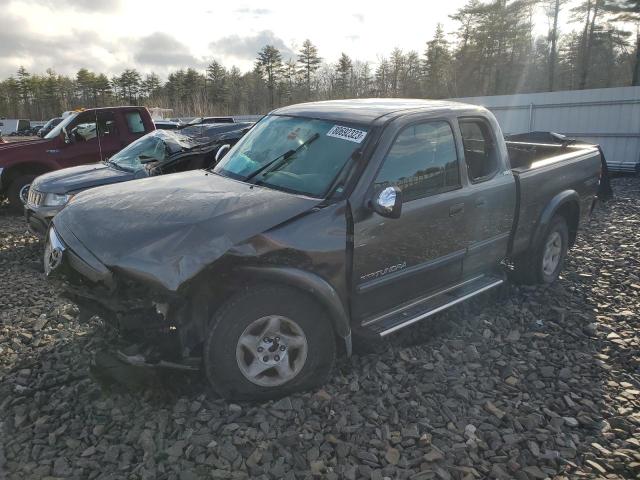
525	155
543	170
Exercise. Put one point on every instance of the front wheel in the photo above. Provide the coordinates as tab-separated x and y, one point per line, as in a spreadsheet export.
544	264
267	342
18	192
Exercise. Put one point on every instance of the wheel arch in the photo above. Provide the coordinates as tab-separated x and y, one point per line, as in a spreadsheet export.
314	285
25	168
565	203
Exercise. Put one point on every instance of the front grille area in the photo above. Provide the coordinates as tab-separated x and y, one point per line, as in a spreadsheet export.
35	198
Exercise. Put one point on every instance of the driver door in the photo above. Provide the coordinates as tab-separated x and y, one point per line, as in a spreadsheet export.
94	137
400	259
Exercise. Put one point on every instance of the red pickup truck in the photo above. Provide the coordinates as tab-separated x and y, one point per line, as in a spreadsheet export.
85	136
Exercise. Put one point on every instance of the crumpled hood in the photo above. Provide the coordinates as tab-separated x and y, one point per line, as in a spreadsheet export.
167	229
73	179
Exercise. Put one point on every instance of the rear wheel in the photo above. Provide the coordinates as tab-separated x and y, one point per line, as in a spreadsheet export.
545	262
18	192
268	342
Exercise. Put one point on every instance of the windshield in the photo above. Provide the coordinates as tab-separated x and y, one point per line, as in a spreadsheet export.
51	123
299	155
56	131
155	146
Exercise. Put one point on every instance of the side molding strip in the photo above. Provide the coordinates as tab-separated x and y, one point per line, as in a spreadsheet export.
406	272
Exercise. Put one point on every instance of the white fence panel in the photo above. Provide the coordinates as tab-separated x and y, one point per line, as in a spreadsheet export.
607	116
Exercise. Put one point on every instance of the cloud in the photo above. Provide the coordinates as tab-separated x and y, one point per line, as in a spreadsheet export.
254	12
90	6
162	50
67	52
247	48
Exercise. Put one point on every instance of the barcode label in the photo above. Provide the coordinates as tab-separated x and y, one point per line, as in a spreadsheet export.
346	133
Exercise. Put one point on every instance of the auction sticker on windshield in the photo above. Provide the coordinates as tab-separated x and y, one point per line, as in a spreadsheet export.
347	133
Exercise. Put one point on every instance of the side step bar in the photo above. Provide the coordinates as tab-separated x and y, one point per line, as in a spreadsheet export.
419	310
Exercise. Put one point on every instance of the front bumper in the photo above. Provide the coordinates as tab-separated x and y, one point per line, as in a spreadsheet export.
39	219
37	215
140	315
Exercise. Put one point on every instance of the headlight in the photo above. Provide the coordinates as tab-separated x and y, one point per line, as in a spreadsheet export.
56	200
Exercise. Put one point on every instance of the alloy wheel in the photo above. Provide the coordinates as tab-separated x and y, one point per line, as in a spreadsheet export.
552	253
271	351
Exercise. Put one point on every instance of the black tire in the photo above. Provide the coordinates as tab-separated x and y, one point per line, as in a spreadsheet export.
13	192
230	321
528	267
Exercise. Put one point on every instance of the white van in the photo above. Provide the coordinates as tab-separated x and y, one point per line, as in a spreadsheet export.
11	125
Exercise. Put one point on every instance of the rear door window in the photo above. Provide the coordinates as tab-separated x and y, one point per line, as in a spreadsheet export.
134	122
480	153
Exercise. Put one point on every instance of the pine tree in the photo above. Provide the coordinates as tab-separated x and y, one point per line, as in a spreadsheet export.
344	74
437	65
382	78
628	11
217	83
269	67
24	86
553	8
151	85
309	62
396	71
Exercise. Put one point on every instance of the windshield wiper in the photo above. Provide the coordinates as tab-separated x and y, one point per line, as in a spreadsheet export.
285	156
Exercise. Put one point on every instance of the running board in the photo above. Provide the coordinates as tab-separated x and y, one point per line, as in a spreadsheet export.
419	310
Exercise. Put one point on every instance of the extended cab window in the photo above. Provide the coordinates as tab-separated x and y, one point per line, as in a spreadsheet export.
480	151
134	121
422	161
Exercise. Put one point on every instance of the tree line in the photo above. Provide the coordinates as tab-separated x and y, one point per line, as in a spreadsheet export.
492	51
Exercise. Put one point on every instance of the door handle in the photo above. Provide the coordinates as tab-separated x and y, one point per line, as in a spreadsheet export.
456	209
480	202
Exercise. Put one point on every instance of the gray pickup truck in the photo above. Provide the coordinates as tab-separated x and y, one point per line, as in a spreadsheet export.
327	220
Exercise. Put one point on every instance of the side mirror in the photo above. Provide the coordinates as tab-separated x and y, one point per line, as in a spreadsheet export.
222	151
388	202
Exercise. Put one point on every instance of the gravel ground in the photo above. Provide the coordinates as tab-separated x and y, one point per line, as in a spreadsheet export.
533	383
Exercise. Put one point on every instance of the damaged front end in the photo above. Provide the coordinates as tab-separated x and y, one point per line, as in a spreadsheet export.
153	328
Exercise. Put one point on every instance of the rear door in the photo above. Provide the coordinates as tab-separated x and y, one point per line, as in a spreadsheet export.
491	196
397	260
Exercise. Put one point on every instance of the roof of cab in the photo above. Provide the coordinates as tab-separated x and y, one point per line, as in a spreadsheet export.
367	110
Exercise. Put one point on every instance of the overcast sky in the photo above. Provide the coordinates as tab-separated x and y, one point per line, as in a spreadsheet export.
161	36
